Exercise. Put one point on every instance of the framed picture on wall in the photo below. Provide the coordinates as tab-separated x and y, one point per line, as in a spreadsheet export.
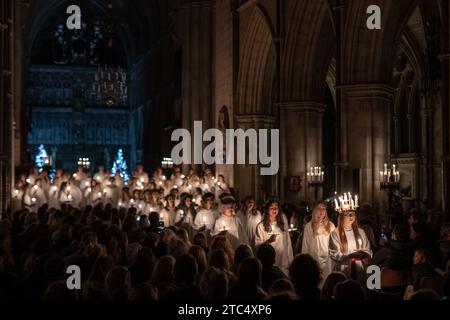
294	183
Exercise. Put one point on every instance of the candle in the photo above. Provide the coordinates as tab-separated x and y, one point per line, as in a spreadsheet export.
292	226
132	200
98	179
204	220
99	194
142	180
28	180
336	204
356	201
140	205
69	197
74	175
16	191
35	187
359	243
160	183
89	190
120	203
33	200
87	184
68	188
223	224
161	216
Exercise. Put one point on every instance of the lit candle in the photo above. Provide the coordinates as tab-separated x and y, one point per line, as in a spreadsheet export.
381	176
132	200
336	204
89	190
120	203
87	184
160	183
68	188
223	224
99	194
28	180
142	180
359	243
74	175
161	216
140	205
292	226
204	220
16	191
33	200
98	179
69	197
35	187
181	213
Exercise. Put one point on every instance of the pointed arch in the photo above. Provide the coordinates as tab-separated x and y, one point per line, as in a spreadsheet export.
257	67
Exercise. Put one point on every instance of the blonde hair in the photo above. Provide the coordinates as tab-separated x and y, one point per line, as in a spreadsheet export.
326	221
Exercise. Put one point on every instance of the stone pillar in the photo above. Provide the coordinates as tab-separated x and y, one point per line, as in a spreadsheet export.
364	139
301	145
249	180
6	101
197	70
445	101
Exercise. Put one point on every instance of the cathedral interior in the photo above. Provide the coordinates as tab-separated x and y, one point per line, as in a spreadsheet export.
345	98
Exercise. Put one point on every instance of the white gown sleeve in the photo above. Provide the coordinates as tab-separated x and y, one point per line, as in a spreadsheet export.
306	242
334	248
365	243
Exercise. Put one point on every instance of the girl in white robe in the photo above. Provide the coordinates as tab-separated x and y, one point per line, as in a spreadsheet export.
167	214
206	216
185	211
273	229
316	237
230	224
250	217
349	245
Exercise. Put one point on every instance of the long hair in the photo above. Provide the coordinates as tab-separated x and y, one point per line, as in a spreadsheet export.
326	221
266	220
244	205
343	237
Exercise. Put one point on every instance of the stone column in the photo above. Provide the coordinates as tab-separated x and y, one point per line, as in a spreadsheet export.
6	101
197	70
445	101
365	139
249	180
301	145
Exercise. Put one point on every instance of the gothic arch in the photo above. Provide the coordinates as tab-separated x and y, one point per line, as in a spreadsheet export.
307	55
366	54
257	67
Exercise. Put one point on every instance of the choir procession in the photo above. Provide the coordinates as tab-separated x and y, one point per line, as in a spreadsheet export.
212	156
187	237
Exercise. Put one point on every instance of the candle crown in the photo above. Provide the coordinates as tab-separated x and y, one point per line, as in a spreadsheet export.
346	202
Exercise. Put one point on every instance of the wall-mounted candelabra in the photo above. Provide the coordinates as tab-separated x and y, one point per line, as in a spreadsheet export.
315	178
390	182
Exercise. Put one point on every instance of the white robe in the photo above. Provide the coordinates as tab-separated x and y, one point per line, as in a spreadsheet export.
235	230
338	257
182	215
53	193
250	223
204	218
282	244
317	247
167	216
